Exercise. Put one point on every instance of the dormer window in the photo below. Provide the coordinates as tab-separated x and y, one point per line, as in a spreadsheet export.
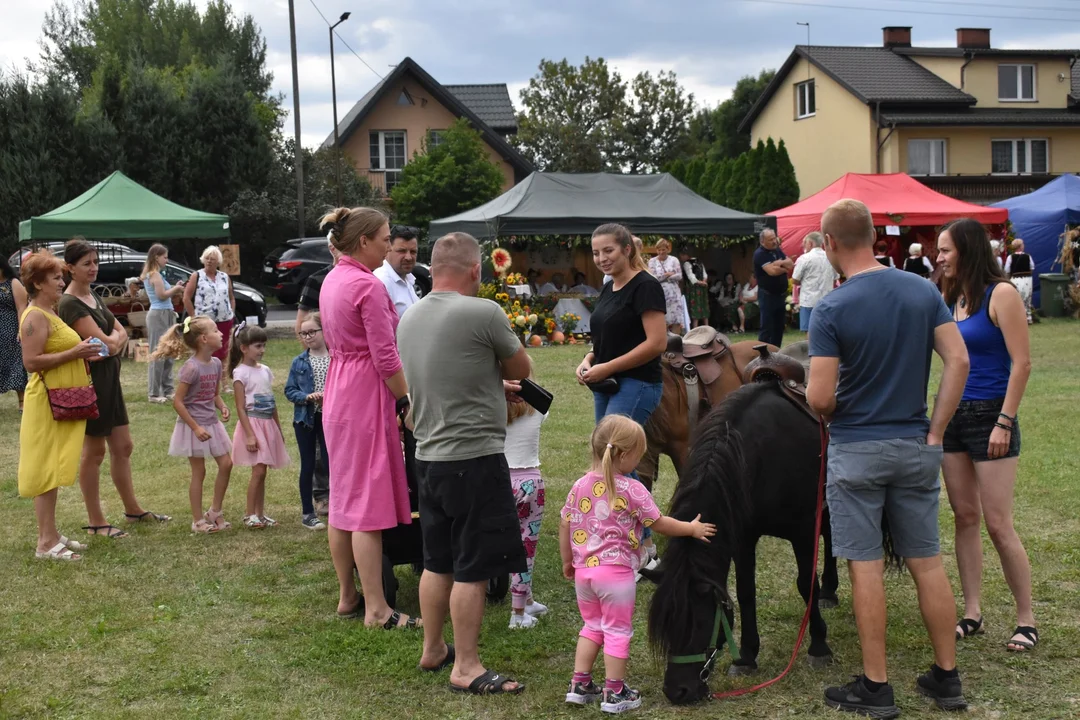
805	102
1016	83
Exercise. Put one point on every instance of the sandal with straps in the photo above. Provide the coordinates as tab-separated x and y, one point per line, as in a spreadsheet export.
1030	639
145	516
968	627
490	683
395	618
111	531
217	519
204	527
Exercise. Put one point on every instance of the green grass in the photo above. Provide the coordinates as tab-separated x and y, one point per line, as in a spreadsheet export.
242	624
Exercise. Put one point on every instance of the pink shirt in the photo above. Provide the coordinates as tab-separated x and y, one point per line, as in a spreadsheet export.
202	381
606	532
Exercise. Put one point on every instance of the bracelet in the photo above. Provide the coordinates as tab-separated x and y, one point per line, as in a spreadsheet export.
1010	418
1003	426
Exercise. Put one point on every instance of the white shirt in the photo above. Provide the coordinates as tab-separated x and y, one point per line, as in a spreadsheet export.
522	447
586	290
815	275
400	288
550	288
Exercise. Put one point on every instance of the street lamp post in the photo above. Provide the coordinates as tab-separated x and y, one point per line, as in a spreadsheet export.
333	92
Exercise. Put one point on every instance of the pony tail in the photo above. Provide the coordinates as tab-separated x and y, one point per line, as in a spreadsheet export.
236	353
607	463
171	344
637	262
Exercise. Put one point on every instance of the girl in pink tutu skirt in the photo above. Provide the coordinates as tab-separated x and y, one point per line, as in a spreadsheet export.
198	433
257	441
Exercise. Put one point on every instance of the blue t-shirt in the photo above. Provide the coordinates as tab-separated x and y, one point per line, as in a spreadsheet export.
774	284
881	326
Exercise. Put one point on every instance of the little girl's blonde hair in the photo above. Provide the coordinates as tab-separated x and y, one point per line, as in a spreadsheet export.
514	410
182	337
616	437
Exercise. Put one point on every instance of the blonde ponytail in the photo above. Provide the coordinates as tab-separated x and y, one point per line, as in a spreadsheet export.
616	438
607	463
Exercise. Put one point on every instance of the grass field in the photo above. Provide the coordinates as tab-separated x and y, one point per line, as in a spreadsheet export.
242	624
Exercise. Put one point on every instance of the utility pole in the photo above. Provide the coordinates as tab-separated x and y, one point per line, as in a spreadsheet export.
333	92
299	156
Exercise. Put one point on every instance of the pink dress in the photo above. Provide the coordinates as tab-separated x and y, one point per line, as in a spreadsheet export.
368	489
259	403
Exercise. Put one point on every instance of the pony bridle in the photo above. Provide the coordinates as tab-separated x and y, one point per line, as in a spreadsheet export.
708	657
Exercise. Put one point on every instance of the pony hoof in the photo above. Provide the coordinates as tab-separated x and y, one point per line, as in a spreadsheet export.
742	670
828	603
819	662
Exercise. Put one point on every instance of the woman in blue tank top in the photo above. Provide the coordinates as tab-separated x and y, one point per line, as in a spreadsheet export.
982	442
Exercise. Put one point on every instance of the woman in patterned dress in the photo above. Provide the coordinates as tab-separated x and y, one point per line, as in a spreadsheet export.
667	270
209	292
13	302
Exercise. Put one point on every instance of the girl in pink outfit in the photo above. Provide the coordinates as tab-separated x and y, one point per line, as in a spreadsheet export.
257	441
364	397
603	519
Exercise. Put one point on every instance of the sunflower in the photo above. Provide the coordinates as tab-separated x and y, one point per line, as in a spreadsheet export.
500	259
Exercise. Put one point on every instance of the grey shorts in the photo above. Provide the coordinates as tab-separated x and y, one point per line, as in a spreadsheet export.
895	478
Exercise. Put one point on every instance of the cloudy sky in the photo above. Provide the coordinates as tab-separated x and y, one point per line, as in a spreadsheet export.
710	44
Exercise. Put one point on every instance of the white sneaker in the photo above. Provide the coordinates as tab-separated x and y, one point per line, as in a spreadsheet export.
536	609
158	400
651	565
524	621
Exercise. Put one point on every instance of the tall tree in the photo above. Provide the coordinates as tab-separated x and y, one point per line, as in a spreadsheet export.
718	191
735	191
694	171
789	184
451	177
655	129
715	131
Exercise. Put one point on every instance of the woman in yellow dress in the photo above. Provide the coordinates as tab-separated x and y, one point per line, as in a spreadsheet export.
49	450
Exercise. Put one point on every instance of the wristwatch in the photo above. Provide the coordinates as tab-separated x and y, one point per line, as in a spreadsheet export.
402	405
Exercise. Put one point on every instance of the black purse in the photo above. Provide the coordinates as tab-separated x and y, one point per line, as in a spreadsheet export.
607	386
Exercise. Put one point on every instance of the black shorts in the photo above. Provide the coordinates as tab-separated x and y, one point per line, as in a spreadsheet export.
469	519
970	428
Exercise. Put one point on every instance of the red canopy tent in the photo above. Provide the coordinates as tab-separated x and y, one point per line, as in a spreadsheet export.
895	199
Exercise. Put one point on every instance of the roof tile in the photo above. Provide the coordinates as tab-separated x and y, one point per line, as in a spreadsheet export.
491	103
877	74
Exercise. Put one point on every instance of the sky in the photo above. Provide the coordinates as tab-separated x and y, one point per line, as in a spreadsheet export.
709	44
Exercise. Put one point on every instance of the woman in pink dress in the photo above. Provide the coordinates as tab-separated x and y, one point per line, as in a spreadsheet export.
364	395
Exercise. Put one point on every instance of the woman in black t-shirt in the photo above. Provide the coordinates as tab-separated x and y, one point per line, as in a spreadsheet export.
628	329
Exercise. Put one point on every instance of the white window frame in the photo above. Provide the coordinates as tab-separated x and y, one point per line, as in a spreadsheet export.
435	138
387	172
802	89
1018	145
1019	68
944	170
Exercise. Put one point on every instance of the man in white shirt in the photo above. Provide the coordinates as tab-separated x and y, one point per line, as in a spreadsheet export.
582	287
814	275
553	286
396	270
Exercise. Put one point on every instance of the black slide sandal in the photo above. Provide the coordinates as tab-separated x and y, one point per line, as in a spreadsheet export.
447	661
490	683
968	627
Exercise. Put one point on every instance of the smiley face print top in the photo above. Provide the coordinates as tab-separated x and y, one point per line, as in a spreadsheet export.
606	530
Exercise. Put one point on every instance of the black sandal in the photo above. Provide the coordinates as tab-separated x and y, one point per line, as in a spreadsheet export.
490	683
1031	636
447	661
93	530
147	516
968	627
395	617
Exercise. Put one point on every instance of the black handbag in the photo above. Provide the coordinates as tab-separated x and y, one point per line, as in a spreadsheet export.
607	386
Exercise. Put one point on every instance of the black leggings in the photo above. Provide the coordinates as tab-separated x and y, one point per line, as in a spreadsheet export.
306	439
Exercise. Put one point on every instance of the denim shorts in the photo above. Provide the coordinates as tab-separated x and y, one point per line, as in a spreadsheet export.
897	479
970	428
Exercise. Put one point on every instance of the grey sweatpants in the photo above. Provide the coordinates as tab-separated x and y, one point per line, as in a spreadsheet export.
160	380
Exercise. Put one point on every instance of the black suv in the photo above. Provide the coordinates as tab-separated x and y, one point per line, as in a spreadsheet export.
118	263
288	266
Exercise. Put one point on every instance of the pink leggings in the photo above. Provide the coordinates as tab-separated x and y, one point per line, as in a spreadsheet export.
605	597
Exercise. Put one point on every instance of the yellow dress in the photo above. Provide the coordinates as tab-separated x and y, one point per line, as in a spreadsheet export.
49	451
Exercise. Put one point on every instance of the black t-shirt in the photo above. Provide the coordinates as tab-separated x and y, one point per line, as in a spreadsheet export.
772	284
1020	265
616	323
309	296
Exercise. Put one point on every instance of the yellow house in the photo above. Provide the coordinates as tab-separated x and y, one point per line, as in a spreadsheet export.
974	122
408	109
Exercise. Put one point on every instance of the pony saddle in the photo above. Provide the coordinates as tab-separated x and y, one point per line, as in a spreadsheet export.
784	370
697	354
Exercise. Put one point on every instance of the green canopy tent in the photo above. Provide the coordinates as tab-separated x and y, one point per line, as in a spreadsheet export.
118	207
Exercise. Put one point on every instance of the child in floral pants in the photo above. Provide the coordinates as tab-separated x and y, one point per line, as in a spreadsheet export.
522	452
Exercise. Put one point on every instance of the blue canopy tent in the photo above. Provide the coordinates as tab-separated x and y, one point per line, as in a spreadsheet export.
1040	218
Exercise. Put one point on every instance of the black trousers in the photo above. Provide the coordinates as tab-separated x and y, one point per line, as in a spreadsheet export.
773	317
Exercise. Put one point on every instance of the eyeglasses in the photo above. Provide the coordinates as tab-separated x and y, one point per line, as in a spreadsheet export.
308	334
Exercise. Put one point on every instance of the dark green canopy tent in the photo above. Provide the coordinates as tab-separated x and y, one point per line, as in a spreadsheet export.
576	203
118	207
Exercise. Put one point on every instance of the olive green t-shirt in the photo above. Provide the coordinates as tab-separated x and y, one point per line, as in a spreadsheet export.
451	346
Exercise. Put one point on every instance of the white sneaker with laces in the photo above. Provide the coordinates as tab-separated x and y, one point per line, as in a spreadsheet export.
523	621
536	609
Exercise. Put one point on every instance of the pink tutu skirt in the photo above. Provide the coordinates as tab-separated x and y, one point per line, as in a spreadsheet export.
185	444
271	451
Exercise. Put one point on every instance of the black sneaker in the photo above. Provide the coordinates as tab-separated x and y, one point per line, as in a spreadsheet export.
947	693
578	694
312	522
619	702
856	698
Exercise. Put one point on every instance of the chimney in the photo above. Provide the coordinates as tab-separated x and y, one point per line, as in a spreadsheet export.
973	38
896	36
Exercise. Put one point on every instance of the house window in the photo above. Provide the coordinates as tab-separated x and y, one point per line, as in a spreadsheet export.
1016	83
388	154
926	157
434	138
1020	157
405	98
805	102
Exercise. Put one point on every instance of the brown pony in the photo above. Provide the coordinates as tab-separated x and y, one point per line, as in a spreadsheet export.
668	430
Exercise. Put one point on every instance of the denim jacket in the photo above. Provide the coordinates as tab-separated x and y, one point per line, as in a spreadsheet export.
300	384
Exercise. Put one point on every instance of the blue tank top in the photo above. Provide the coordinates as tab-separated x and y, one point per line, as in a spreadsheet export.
155	303
989	356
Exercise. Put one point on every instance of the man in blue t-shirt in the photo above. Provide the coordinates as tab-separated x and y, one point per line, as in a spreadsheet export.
771	268
870	347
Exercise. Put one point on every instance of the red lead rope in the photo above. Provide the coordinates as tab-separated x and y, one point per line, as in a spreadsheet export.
813	598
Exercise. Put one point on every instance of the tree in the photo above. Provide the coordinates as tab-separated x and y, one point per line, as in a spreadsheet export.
754	164
789	184
735	191
694	171
451	177
677	168
655	129
708	177
715	131
718	191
